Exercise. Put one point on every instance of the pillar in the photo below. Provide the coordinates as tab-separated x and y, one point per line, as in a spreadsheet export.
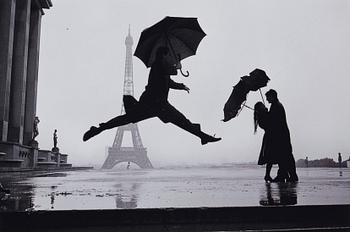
7	21
19	71
32	74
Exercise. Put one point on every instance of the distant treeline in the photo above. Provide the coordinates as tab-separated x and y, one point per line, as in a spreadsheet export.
326	162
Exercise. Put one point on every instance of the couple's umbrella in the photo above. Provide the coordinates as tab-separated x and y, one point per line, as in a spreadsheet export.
256	80
181	35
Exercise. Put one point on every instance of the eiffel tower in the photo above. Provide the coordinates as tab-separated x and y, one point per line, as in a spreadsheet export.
137	153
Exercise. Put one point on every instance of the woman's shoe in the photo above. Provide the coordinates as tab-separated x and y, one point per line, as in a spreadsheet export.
268	179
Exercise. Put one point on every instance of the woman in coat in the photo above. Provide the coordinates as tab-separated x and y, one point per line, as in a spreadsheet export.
265	157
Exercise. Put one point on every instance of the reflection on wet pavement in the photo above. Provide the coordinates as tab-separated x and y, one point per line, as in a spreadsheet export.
127	201
20	198
279	194
185	187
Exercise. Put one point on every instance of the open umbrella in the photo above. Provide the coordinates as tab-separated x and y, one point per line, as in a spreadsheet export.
256	80
181	35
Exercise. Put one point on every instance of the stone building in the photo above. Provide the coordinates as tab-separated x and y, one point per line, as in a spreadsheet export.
20	25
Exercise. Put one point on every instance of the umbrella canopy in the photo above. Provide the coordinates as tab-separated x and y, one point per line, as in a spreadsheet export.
256	80
181	35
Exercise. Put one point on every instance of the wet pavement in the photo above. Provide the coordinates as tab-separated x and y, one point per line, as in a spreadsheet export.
175	187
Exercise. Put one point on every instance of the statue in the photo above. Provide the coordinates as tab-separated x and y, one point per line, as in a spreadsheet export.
33	142
55	148
55	139
35	127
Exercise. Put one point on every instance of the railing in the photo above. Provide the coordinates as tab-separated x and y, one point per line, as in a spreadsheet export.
128	149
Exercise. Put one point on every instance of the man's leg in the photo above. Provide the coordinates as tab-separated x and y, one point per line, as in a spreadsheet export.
282	173
171	114
293	177
114	122
121	120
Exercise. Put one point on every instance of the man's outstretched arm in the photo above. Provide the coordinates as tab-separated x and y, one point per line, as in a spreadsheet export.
181	86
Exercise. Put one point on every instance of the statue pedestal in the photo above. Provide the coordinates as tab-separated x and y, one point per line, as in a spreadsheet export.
55	149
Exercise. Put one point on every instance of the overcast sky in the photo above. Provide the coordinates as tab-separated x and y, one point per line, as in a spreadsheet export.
302	45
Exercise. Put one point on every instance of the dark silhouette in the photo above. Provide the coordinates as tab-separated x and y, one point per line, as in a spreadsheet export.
279	144
180	35
307	162
154	102
55	139
339	160
35	127
340	163
261	120
233	106
3	190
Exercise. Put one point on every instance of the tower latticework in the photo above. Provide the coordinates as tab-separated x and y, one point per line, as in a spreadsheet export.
136	153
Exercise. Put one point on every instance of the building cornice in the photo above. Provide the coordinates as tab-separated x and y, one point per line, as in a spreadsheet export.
42	4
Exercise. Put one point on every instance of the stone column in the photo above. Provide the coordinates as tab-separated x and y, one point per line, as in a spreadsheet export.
7	21
32	74
19	71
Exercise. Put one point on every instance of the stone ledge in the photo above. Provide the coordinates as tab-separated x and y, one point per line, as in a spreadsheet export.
11	171
182	219
11	160
15	144
46	163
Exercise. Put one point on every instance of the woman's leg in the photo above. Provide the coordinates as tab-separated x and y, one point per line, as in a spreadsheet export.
267	172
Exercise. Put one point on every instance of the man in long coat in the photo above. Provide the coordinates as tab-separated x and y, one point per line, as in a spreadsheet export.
154	102
279	144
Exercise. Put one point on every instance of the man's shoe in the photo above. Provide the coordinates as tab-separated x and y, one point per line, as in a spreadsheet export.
209	139
279	179
293	179
91	133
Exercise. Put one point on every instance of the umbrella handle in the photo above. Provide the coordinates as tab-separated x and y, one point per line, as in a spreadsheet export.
247	106
262	96
183	74
179	60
